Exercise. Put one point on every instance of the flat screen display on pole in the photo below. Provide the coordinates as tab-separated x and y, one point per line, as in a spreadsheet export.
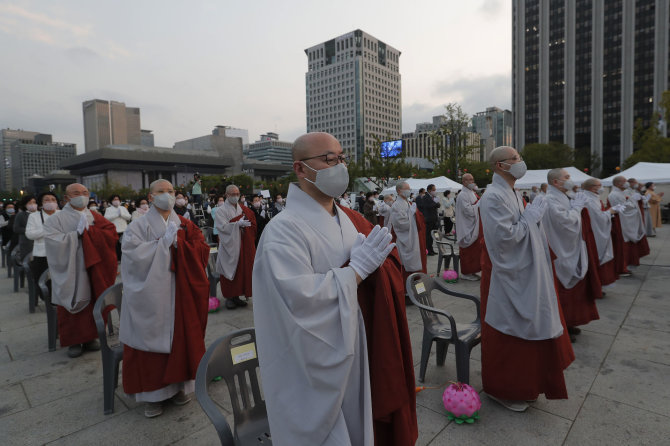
391	149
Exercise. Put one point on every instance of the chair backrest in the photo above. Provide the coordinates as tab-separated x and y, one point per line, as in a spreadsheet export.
234	358
211	265
14	255
111	297
25	263
419	287
44	286
207	233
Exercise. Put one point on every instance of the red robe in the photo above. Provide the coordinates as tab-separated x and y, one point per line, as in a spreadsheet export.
470	257
241	283
148	371
518	369
629	253
99	246
381	298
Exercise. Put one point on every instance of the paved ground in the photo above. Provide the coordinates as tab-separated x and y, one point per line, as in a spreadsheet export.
618	385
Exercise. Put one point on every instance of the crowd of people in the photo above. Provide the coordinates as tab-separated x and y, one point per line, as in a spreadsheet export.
328	276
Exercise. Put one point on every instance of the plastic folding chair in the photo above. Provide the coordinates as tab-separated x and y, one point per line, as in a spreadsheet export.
234	358
19	273
212	275
44	290
445	252
32	286
464	336
110	346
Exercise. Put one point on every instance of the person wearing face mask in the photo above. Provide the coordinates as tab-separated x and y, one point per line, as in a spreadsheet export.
428	204
635	244
181	206
277	206
220	201
369	208
7	224
410	240
48	201
469	232
27	206
654	201
120	216
448	211
141	210
525	344
165	303
93	206
601	226
80	250
571	241
260	215
237	247
384	210
317	278
344	201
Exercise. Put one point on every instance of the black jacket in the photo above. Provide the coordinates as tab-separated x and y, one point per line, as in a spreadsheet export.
428	207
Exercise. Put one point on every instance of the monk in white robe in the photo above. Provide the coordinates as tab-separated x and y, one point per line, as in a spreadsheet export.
563	225
165	303
384	209
402	221
525	344
630	217
468	229
80	248
309	327
236	225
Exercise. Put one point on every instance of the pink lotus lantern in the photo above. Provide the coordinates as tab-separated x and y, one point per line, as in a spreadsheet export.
214	304
462	403
450	275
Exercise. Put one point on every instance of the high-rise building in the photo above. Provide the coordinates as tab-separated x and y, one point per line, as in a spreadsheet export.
353	91
585	70
7	137
269	148
37	156
428	141
494	127
110	122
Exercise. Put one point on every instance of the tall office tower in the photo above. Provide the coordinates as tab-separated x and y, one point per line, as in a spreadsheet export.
353	91
585	70
37	156
110	122
7	137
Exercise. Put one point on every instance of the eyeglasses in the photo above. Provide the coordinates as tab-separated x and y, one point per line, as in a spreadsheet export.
330	158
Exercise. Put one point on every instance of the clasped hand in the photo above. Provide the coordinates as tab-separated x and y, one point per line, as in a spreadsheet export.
371	251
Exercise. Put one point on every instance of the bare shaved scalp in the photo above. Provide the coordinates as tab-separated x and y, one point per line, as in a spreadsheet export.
590	182
231	188
554	174
619	179
74	186
501	153
400	186
154	184
311	144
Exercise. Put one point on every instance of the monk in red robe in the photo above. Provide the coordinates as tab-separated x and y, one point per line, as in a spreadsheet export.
81	252
165	303
469	229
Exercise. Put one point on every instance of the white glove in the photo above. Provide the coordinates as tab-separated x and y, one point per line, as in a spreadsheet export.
83	224
645	198
618	208
369	252
243	223
413	208
170	236
637	196
534	212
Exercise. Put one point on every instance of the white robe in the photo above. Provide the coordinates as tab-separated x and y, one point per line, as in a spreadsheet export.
601	224
70	284
385	211
147	314
563	227
467	218
631	218
522	300
309	328
230	240
403	222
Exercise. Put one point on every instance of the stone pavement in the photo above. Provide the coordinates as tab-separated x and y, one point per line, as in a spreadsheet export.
617	386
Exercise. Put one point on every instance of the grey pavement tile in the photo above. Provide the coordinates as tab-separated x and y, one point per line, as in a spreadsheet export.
656	299
16	314
206	436
26	341
609	322
643	316
21	369
642	343
655	285
636	382
430	424
54	420
13	400
4	354
606	422
500	426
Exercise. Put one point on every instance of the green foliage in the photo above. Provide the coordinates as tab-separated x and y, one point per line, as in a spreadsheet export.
648	143
548	156
456	152
480	170
111	188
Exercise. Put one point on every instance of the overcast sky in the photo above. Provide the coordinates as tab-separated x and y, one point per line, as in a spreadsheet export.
191	65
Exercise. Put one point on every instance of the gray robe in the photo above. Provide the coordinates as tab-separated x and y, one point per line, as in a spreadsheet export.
631	218
403	222
522	299
309	329
601	224
467	218
147	314
230	240
70	284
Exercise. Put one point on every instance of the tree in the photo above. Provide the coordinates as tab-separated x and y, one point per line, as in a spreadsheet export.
548	156
648	144
453	131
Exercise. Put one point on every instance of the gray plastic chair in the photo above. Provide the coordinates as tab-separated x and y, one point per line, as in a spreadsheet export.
251	422
32	286
445	251
110	346
44	290
3	253
212	275
19	273
464	336
207	232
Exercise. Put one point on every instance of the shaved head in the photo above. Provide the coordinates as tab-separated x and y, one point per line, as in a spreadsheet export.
402	185
75	189
591	183
156	184
231	189
312	144
555	174
619	180
500	154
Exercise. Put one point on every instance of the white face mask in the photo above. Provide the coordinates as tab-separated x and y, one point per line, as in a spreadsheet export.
180	201
568	184
79	202
233	199
116	203
517	170
626	185
144	207
473	187
31	207
10	211
93	208
601	190
50	206
220	203
257	204
406	193
332	181
279	200
164	201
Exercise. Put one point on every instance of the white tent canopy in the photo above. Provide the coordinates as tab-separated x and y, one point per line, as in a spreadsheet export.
441	184
537	177
644	173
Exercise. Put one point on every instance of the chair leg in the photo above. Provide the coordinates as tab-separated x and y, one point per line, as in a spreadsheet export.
22	275
425	354
456	264
462	363
108	378
439	263
16	281
32	297
441	347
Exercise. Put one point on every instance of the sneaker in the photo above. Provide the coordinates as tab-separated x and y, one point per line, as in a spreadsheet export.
573	339
181	398
626	274
75	351
471	277
516	406
239	302
152	410
230	304
93	345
